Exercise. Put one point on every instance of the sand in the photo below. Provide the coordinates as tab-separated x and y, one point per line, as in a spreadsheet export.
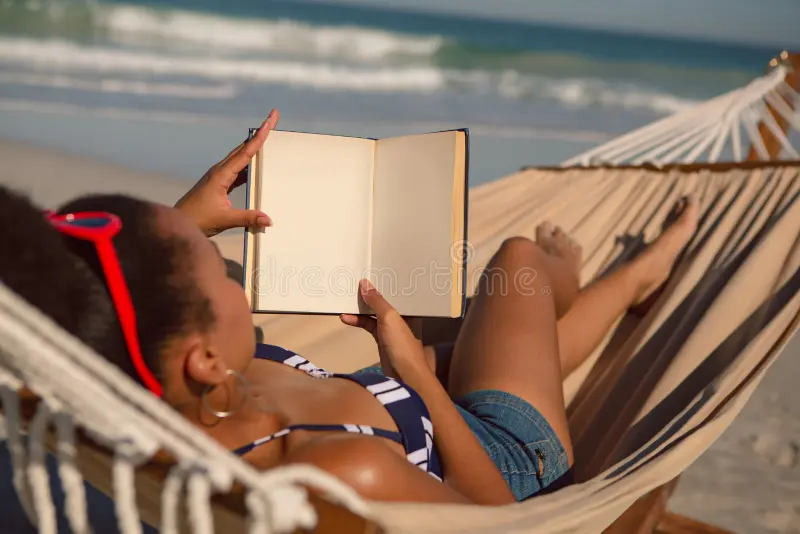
51	177
748	481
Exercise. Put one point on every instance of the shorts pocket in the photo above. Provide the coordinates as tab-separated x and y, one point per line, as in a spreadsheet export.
547	458
518	439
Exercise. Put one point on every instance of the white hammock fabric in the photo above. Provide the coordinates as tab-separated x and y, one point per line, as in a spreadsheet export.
725	125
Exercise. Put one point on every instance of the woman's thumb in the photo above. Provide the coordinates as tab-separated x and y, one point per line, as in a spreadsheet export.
372	298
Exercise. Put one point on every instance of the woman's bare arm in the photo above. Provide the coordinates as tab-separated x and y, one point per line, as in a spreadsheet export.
467	466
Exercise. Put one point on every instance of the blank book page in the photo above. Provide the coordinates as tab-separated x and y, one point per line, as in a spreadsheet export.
318	191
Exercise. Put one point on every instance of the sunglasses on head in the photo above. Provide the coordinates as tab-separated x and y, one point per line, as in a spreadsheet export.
99	228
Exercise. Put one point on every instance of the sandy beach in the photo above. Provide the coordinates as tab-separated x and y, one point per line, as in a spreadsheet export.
748	481
49	178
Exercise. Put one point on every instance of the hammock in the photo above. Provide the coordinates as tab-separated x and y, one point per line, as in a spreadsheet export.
716	130
657	392
645	405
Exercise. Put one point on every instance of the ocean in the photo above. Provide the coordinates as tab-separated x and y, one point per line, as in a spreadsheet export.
167	85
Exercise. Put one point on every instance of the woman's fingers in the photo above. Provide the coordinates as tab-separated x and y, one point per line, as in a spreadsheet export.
241	157
370	324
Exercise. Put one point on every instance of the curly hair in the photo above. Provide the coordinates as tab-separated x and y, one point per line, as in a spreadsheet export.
36	263
157	269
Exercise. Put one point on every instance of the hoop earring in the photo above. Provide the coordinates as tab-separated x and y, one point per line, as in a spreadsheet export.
242	382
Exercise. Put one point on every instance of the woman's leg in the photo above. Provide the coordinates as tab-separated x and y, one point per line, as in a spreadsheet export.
599	305
562	261
510	340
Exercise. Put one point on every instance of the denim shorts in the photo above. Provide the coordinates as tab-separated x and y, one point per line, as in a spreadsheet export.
517	438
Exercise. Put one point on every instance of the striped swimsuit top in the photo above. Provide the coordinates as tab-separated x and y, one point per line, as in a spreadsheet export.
404	405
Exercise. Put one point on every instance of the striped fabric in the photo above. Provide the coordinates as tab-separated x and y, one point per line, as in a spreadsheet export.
403	404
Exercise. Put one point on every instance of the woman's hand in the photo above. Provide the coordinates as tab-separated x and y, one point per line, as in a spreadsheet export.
207	203
401	354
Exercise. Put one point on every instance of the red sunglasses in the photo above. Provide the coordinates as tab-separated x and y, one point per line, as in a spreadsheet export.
100	228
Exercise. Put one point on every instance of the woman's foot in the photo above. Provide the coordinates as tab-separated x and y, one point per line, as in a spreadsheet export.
563	249
653	266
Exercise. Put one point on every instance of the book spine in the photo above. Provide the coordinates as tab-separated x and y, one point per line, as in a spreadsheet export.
466	226
371	211
247	206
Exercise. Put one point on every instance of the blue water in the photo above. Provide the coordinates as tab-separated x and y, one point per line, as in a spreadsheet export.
532	94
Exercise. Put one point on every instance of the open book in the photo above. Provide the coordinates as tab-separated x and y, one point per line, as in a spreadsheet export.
345	208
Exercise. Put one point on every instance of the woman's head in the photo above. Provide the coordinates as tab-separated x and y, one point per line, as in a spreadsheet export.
193	321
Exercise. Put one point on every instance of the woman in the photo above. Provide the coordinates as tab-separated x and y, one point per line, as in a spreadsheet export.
501	431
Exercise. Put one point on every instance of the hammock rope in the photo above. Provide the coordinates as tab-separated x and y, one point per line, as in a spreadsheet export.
708	128
9	386
37	471
199	503
257	520
125	488
170	500
70	475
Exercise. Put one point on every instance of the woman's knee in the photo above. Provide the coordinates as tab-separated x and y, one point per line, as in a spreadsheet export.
521	249
519	265
520	252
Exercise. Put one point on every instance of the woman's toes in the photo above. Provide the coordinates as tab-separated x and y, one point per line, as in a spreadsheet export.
562	239
544	233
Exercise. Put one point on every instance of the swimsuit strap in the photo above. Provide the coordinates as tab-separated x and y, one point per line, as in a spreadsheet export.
280	355
353	429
